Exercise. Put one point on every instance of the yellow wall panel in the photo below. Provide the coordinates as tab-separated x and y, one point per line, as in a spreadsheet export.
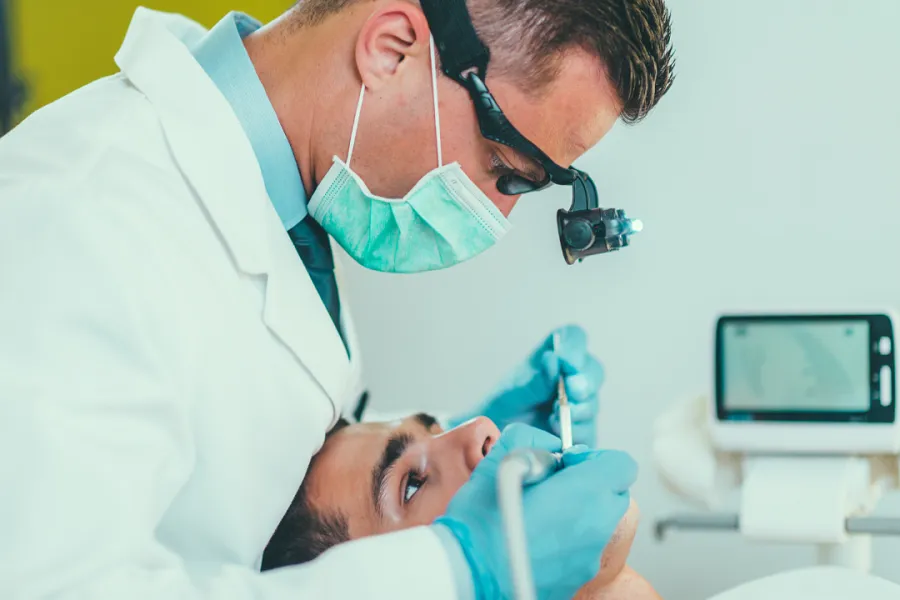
61	45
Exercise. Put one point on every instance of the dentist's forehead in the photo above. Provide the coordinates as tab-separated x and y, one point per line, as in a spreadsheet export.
575	113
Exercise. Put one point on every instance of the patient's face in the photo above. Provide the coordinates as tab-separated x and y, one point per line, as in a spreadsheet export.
382	477
389	476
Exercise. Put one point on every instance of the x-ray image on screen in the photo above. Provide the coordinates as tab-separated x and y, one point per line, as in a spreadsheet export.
799	366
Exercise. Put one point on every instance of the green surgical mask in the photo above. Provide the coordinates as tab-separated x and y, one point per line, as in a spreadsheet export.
444	220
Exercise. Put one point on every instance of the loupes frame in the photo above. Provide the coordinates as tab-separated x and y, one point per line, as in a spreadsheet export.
496	127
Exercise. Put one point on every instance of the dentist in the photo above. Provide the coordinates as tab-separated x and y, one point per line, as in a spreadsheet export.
173	342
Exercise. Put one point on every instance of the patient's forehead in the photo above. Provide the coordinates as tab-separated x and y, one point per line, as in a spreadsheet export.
340	476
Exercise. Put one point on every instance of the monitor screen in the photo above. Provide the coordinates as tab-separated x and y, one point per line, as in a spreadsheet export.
796	366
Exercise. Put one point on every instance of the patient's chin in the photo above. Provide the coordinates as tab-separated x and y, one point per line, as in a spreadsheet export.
616	553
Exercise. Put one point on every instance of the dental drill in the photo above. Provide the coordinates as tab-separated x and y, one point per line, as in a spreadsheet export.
525	467
518	469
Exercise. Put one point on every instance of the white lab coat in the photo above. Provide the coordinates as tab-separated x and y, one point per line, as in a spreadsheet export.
166	366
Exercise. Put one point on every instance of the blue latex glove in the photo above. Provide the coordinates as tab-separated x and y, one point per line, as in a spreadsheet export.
528	394
569	517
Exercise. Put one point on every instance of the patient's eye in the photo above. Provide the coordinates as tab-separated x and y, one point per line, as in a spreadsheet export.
414	482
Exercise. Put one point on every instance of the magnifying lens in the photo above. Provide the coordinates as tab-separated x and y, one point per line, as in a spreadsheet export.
586	229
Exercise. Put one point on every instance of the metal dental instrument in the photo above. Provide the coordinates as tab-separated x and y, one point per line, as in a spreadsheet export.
565	414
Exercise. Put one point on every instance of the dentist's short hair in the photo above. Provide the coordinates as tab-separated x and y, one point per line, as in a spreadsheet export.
528	40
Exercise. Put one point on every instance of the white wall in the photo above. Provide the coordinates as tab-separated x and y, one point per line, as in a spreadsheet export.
769	178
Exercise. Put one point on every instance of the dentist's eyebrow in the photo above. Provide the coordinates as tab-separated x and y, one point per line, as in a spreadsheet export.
393	450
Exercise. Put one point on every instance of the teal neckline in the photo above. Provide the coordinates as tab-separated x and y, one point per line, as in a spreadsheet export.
223	56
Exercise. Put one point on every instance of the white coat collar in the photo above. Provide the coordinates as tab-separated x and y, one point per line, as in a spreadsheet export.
215	156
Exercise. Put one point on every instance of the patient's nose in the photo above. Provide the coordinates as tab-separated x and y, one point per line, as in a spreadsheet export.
476	438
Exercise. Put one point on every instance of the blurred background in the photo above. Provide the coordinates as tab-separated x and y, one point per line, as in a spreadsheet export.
769	179
49	48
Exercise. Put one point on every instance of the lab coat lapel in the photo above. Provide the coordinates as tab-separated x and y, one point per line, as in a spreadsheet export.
215	156
348	326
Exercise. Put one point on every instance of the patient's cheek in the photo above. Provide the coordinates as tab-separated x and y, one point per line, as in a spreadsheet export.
424	511
616	553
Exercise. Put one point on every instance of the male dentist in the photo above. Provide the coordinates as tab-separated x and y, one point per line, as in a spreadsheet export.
173	342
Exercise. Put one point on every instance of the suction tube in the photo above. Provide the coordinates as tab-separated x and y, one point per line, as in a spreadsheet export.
520	468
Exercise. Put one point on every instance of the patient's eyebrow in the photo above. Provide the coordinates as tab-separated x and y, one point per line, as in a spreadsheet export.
393	450
425	420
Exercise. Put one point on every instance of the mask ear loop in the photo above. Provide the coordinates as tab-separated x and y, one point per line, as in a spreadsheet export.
437	115
362	92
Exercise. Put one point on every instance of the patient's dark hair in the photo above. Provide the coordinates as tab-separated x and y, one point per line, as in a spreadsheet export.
304	533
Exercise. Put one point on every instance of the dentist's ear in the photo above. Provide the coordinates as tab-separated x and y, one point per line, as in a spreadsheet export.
392	34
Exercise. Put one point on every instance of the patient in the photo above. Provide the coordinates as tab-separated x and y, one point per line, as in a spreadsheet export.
376	478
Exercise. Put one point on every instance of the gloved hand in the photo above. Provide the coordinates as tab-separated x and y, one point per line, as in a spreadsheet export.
569	517
528	394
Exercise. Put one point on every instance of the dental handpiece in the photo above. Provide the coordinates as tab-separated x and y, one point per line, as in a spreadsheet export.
565	414
519	468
